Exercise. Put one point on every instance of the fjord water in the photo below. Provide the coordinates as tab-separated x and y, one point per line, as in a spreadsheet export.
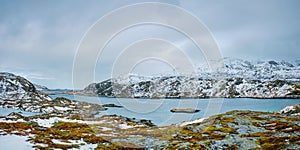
158	111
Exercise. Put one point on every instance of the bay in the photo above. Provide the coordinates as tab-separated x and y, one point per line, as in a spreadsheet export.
158	110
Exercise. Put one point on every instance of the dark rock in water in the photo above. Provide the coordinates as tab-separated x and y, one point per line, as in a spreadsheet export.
184	110
111	105
147	122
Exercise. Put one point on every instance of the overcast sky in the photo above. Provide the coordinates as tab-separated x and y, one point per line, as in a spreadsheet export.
39	39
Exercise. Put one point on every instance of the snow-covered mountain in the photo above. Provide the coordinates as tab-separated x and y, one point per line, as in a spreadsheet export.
19	93
40	87
14	87
262	79
259	70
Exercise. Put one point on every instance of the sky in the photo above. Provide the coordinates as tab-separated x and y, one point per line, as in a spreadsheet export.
39	39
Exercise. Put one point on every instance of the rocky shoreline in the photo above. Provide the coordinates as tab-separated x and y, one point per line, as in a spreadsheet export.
231	130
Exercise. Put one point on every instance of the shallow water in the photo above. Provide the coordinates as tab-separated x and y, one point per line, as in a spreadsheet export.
158	110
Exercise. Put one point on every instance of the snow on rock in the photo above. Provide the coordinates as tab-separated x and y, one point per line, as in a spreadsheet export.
14	87
196	87
18	93
192	122
291	110
261	79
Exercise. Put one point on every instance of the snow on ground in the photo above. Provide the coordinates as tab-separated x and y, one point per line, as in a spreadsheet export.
84	145
62	108
191	122
49	122
11	121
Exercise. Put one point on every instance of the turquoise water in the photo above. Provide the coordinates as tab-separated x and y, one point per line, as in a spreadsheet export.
159	110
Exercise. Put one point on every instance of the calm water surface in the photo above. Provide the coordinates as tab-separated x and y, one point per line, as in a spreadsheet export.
159	110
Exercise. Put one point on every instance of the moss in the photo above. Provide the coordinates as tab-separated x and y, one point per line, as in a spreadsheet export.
256	124
294	139
268	146
211	129
94	139
122	146
214	136
16	126
196	146
294	92
293	118
259	134
65	131
273	142
225	120
282	126
172	147
107	147
257	118
296	86
64	146
41	147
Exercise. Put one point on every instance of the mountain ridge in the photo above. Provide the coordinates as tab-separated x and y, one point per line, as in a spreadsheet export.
263	79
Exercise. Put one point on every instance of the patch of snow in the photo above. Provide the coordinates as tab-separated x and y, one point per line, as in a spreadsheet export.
11	121
49	122
124	126
62	108
191	122
287	109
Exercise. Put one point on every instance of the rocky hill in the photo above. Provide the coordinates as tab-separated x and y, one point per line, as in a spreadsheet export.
14	87
19	93
260	79
257	70
191	87
291	110
40	87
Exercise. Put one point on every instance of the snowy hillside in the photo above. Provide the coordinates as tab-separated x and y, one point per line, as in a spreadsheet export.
14	87
259	70
18	93
40	87
264	79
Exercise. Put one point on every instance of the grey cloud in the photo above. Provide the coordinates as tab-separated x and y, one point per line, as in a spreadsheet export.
42	36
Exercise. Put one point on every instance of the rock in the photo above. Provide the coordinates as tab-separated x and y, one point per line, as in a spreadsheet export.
15	115
147	123
291	110
19	93
14	87
184	110
111	105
